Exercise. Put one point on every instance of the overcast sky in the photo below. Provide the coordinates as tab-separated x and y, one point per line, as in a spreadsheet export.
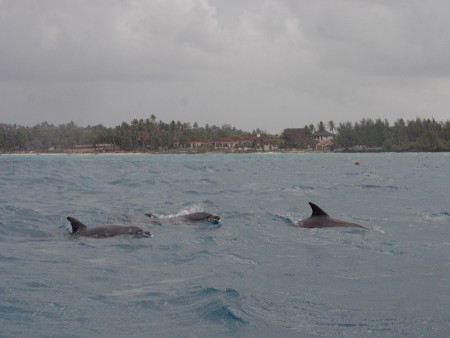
268	64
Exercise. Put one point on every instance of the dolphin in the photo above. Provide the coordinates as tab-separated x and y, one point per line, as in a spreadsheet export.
80	229
195	217
320	219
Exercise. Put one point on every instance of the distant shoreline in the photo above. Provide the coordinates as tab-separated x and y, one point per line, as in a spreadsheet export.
155	153
128	153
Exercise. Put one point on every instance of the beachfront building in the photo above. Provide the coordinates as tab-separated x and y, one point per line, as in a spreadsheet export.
322	136
93	148
324	140
196	144
301	138
231	143
298	138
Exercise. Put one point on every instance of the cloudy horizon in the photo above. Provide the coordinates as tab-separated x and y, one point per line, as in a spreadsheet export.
270	64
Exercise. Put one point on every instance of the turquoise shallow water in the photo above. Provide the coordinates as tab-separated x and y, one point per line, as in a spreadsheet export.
254	274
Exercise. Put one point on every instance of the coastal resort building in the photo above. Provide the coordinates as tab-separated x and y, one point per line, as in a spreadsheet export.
322	136
324	145
93	148
196	144
224	144
300	138
231	143
324	140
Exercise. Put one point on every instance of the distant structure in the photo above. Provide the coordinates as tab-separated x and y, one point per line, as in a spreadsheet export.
225	143
232	142
89	148
324	140
196	144
322	136
256	142
300	138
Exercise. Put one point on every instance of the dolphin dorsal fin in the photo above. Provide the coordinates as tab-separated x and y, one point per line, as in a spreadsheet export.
316	211
77	226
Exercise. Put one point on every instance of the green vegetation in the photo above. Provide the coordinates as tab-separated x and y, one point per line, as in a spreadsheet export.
148	134
153	135
413	135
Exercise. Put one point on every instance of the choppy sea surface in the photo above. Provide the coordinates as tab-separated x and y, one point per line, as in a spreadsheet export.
254	274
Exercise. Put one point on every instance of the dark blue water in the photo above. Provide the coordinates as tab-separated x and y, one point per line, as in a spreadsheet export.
254	274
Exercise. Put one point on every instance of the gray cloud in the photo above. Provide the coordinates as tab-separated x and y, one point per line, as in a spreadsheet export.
269	64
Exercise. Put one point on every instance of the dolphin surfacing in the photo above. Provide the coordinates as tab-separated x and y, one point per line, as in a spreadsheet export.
194	217
80	229
320	219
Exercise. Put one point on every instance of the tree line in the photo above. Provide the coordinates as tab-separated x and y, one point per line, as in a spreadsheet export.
412	135
151	134
378	134
139	134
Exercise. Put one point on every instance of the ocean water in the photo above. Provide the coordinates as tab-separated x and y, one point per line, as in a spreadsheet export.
254	274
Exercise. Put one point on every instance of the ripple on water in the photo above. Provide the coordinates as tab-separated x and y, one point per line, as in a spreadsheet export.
214	305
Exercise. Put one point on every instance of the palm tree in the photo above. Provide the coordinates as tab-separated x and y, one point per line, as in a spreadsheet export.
321	126
331	126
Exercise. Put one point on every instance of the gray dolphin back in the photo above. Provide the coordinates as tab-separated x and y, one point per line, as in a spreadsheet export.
200	216
77	226
80	229
320	219
194	217
317	212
